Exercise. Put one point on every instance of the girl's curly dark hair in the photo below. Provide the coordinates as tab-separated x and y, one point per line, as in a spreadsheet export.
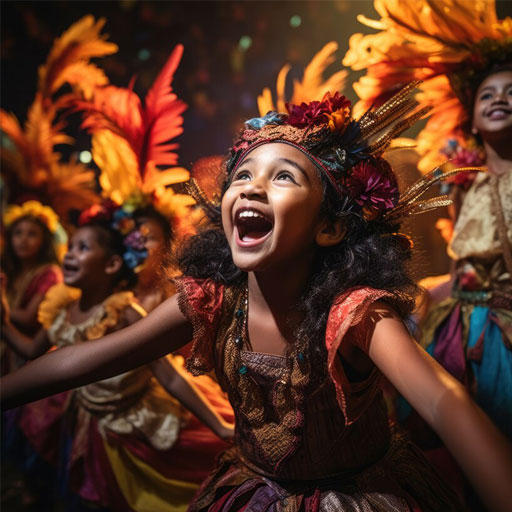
371	254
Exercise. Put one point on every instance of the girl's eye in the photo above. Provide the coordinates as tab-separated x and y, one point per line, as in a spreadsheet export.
285	176
82	247
242	175
486	96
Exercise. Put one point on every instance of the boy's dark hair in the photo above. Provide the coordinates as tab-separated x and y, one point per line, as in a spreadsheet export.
47	255
371	254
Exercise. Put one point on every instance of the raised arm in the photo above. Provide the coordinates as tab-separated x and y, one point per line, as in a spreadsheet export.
164	330
479	447
184	390
28	315
26	347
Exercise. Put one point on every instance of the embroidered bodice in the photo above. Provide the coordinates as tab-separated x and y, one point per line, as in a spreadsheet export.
341	425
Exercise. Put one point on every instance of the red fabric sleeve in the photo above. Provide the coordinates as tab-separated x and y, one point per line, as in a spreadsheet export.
200	300
41	283
347	313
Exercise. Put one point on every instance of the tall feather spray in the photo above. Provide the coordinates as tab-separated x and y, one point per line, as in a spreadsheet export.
437	42
312	86
132	141
33	165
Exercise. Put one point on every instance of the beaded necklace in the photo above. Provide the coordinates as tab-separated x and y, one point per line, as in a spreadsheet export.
275	440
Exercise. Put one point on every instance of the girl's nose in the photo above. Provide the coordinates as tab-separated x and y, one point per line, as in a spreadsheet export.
253	188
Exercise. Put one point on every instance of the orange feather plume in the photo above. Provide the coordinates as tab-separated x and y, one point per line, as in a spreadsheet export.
132	141
32	164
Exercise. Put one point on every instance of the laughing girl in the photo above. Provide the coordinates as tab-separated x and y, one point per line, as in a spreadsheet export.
295	298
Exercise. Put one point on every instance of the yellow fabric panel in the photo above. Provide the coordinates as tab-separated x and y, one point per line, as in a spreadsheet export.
144	488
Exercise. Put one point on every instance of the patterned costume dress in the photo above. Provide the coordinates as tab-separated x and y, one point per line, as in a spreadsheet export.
125	443
470	333
302	446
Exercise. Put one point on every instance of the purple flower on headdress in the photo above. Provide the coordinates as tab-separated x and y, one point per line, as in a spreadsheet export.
135	240
372	185
319	112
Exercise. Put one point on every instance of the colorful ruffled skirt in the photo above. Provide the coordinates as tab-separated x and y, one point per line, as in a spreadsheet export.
402	480
134	459
473	342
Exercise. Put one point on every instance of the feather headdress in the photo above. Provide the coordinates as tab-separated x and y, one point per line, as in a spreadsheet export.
31	165
311	87
442	43
131	142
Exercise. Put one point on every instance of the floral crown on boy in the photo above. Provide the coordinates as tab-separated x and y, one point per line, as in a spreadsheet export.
348	151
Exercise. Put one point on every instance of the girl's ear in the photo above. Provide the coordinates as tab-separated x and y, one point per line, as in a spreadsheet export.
330	233
114	265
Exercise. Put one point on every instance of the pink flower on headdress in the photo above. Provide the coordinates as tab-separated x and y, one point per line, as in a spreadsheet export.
372	185
333	110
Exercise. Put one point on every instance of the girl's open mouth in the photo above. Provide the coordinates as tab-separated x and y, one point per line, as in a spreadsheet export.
69	269
252	227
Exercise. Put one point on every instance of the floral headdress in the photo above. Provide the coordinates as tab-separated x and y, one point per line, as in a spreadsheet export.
446	44
45	215
121	220
131	142
348	151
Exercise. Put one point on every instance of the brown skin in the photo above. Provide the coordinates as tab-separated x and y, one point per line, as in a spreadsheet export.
443	402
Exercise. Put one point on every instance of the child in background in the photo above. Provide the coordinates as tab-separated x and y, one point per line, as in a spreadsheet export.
467	319
33	239
295	297
118	433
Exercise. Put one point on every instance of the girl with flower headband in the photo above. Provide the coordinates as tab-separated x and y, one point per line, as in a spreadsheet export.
33	242
295	298
122	434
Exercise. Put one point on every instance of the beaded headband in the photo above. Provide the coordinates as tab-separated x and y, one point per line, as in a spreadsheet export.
347	151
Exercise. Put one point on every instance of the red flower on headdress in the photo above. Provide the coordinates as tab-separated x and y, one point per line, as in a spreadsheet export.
103	211
333	109
372	185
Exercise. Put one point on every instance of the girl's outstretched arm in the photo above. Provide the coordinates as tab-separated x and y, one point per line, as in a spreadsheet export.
479	447
182	389
164	330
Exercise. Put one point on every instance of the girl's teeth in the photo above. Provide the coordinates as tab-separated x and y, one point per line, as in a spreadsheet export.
249	214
